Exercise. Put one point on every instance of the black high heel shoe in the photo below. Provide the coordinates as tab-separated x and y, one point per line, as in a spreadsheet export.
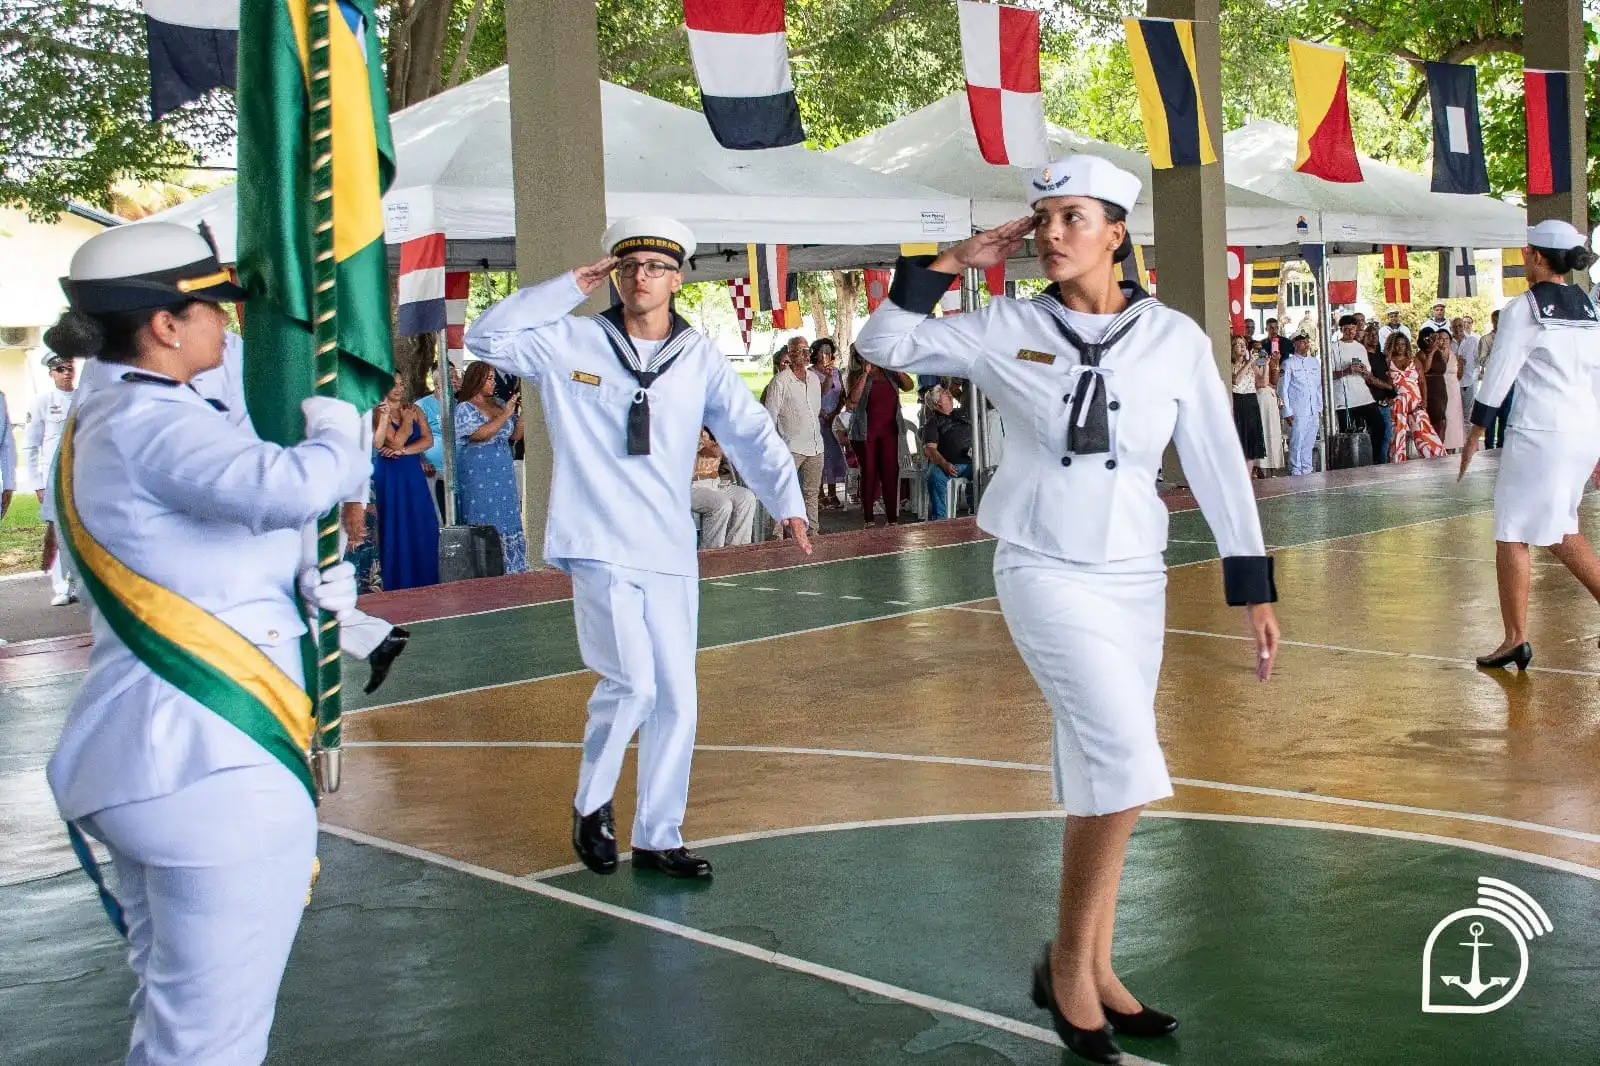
1148	1022
1521	656
1096	1045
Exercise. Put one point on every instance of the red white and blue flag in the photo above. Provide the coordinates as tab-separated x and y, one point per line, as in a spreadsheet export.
741	60
1000	53
457	284
1549	132
421	292
194	48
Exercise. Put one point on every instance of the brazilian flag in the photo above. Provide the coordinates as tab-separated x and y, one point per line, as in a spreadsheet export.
276	264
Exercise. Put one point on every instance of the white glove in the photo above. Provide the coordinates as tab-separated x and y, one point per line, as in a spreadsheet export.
327	417
332	590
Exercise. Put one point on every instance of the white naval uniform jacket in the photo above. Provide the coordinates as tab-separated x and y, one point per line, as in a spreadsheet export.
169	486
42	436
1548	346
1162	385
605	504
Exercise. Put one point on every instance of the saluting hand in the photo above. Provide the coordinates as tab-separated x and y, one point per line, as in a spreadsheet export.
594	275
987	249
1264	625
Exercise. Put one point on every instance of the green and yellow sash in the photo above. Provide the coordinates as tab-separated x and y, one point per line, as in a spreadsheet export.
186	646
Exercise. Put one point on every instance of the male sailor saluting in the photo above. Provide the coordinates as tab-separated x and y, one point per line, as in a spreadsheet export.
625	394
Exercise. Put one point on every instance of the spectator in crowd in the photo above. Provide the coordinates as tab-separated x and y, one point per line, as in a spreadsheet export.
1495	435
1246	407
1436	320
727	511
1300	391
947	446
1433	359
794	399
835	469
1275	345
876	430
1352	380
433	458
1413	430
1382	389
1466	345
780	363
1391	326
486	482
1269	364
408	526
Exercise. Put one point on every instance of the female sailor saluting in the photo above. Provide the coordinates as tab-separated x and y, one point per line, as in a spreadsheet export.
1097	377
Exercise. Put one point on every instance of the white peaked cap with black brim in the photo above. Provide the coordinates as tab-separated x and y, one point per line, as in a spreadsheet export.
145	266
649	233
1084	175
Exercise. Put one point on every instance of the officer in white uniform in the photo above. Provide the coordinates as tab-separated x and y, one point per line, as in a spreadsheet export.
40	438
185	751
1094	380
1547	344
1300	393
625	394
361	635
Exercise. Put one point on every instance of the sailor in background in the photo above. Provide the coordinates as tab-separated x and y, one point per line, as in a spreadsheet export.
8	458
361	635
1300	391
40	439
1094	380
625	393
1547	344
186	749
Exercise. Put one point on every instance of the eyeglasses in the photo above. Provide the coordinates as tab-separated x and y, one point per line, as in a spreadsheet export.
66	369
650	268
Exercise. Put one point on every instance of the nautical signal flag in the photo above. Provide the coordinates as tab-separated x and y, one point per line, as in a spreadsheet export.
1162	51
1513	272
1000	54
1459	164
194	48
1327	147
1342	271
1458	275
1135	269
1264	278
457	287
1396	274
877	286
420	292
741	59
995	278
1313	253
769	272
1236	289
787	314
739	290
1549	132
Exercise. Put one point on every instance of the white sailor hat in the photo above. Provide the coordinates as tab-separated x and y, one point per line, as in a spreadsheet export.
144	266
1084	175
1555	234
649	233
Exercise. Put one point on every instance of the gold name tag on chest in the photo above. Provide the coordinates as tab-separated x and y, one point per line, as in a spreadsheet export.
1031	356
584	378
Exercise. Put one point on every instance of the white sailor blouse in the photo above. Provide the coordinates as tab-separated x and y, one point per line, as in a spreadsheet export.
1087	425
1548	346
625	436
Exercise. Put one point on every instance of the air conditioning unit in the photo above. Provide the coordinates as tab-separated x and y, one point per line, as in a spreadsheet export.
19	336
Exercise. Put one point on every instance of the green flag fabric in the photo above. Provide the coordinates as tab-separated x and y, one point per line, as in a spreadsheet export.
276	261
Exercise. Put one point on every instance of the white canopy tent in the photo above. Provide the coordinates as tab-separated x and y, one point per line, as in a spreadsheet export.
936	146
453	155
1390	206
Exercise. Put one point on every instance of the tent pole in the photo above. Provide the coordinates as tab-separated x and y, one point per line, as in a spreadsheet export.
974	405
1325	346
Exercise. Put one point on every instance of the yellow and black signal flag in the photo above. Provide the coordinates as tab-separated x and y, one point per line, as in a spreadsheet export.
1175	127
1513	272
1264	278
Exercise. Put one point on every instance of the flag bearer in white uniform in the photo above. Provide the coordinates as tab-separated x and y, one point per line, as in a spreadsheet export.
625	394
1094	378
186	749
1547	344
40	439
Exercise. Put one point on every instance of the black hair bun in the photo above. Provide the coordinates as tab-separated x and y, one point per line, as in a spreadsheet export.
75	335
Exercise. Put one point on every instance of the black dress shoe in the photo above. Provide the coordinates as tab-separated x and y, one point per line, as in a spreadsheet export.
1096	1045
675	862
1521	656
1148	1022
383	657
594	838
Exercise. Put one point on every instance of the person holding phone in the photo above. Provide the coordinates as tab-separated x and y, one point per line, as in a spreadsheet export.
1352	385
485	477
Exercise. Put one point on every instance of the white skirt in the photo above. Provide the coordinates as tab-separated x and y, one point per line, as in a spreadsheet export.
1541	482
1272	425
1092	638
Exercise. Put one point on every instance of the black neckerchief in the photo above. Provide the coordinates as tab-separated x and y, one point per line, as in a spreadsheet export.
678	339
139	377
1559	305
1089	428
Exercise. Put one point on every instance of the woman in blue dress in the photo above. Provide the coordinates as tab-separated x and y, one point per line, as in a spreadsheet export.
486	481
408	525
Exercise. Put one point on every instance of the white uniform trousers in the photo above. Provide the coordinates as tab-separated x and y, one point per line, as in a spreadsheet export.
1302	441
1093	637
212	880
638	630
727	512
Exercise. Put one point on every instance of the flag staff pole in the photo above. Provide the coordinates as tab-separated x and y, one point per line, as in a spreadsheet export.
326	753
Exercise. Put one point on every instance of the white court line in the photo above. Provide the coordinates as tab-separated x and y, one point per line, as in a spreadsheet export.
831	974
997	764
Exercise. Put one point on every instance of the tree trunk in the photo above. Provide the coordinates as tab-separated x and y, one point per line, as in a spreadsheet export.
847	290
425	48
819	313
465	47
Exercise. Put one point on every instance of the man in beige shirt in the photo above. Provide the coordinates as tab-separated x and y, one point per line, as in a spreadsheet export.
795	402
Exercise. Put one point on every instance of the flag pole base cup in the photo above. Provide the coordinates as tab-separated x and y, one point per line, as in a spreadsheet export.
327	767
